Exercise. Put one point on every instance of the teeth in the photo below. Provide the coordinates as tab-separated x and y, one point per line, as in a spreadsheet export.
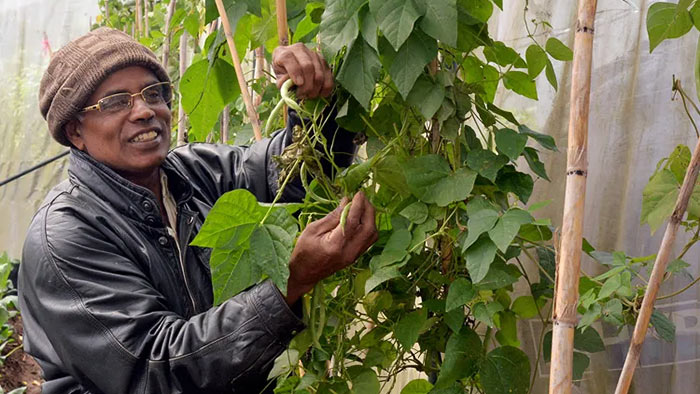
147	136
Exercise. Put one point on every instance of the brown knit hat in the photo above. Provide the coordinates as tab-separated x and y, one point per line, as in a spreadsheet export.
79	68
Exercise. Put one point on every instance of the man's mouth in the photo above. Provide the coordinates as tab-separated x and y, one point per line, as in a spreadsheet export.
145	136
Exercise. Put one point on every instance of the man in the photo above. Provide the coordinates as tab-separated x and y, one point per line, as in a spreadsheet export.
113	298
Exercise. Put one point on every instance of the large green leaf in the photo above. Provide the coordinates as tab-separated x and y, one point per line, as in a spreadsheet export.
270	249
525	307
546	141
462	354
431	180
510	143
396	18
366	381
440	20
581	362
536	59
659	199
417	386
205	92
461	292
481	220
233	217
339	25
409	62
663	326
507	228
588	340
479	258
506	370
558	50
232	271
510	180
667	20
409	327
427	96
520	83
360	71
486	163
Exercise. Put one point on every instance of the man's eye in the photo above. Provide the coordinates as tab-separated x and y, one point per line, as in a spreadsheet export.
153	94
115	103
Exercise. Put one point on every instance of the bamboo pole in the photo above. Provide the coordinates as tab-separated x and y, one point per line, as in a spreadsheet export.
259	70
657	274
147	24
106	12
182	118
225	121
137	22
282	28
254	120
168	33
568	268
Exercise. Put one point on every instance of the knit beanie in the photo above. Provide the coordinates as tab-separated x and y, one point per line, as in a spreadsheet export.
79	68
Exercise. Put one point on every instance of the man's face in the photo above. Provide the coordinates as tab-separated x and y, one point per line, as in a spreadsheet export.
125	140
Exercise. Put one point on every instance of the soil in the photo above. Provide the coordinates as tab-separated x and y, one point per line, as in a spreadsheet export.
19	369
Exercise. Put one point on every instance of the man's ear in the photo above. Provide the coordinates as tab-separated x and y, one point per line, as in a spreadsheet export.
72	129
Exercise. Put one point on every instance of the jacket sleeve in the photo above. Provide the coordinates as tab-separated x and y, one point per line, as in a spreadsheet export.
93	307
219	168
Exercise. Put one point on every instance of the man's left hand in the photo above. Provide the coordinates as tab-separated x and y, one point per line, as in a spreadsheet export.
308	69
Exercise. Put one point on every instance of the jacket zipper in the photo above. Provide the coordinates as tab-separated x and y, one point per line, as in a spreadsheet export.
184	274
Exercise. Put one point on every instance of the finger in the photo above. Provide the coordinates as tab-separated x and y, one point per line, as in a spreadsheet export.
288	63
355	215
281	79
330	221
318	77
308	69
328	84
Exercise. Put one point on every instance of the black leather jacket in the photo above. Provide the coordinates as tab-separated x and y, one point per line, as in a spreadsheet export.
109	307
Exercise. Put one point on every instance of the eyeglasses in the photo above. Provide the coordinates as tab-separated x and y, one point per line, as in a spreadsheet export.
158	93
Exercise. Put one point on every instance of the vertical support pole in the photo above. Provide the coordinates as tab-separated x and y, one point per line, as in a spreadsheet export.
225	121
137	22
282	28
168	34
569	264
146	24
252	115
182	118
106	12
657	274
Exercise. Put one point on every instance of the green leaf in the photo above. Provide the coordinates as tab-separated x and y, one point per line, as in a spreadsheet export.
460	293
547	346
510	143
382	275
479	258
501	54
486	163
506	370
536	59
667	20
430	179
507	335
232	271
462	354
417	386
510	180
533	160
558	49
480	221
270	249
659	199
507	227
360	71
409	327
205	91
395	19
395	250
588	340
410	60
609	287
479	10
284	363
366	382
520	83
416	212
581	362
339	25
525	307
390	173
663	326
440	20
369	28
233	217
427	96
551	76
678	162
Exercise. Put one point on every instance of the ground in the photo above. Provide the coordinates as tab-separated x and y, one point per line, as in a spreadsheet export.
19	369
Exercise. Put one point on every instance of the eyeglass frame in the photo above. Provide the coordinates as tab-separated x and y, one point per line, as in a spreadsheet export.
98	106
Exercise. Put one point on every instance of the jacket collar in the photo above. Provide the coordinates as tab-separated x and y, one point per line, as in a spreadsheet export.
126	197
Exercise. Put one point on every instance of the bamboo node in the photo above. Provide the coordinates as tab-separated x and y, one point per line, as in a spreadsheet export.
582	173
583	28
565	323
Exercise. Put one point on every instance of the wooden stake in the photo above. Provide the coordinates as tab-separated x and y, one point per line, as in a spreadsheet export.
254	120
137	22
147	27
225	121
657	274
107	13
168	33
282	28
566	286
259	71
182	118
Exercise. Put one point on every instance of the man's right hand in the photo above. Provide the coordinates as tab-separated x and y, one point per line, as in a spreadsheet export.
324	247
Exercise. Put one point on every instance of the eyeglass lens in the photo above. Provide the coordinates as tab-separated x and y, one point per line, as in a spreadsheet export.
156	94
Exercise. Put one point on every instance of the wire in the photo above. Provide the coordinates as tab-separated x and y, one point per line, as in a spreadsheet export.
34	168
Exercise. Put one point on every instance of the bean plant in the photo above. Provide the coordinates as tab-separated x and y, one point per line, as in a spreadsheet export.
449	171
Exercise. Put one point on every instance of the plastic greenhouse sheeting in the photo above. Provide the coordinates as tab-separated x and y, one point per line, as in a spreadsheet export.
633	124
